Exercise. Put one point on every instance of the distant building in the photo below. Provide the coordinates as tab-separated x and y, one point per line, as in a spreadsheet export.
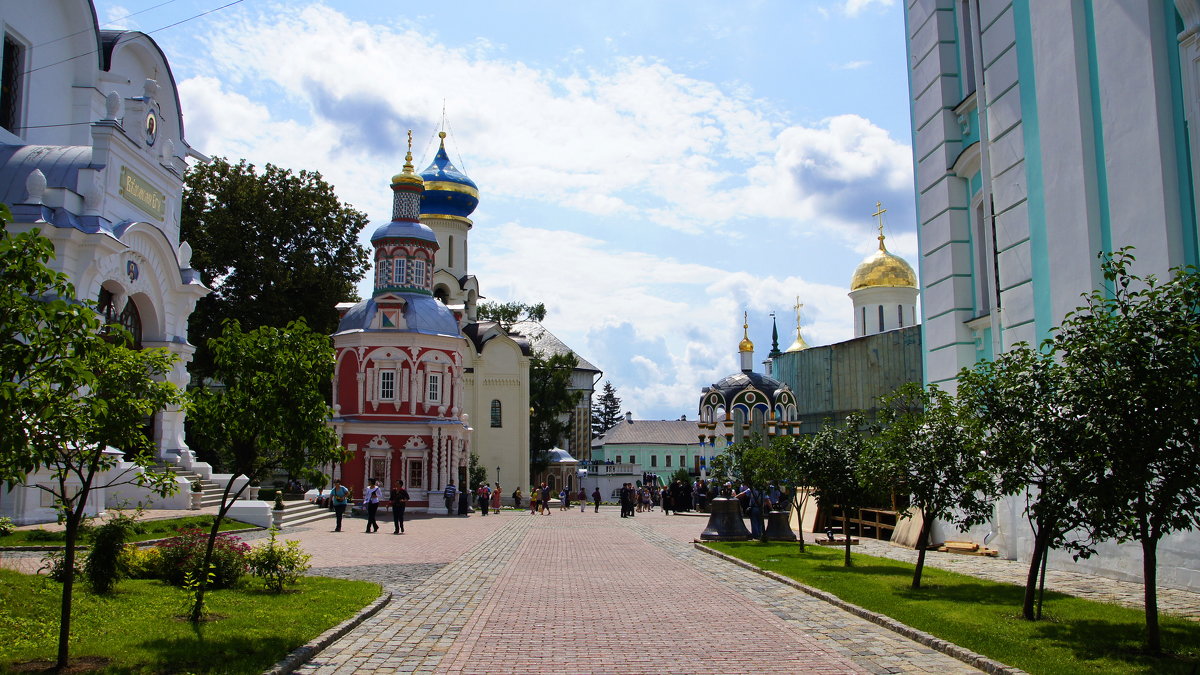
632	448
583	381
831	381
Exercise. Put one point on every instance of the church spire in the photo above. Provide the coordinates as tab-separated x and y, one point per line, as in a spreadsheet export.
746	347
774	338
799	344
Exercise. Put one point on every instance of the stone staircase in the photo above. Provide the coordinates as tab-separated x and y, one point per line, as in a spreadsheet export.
302	511
211	489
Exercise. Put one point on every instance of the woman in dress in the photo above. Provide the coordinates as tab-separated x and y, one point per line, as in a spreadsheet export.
496	499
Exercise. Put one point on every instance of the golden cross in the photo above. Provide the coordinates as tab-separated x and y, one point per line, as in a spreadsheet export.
745	319
410	140
799	305
879	211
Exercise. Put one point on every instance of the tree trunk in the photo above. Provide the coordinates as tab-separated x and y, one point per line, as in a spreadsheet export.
1035	564
64	616
846	533
800	521
226	502
1150	589
922	544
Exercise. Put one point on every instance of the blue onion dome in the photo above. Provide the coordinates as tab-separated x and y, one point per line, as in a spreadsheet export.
404	229
448	191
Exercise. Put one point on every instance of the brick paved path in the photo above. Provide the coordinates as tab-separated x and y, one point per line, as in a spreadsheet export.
587	593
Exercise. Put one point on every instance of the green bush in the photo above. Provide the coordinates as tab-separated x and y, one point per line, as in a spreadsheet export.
105	563
7	527
185	553
276	565
142	563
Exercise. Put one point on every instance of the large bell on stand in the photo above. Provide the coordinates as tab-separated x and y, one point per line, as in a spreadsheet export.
778	527
725	521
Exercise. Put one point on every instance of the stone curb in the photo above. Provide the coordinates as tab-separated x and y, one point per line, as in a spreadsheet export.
84	547
302	654
948	648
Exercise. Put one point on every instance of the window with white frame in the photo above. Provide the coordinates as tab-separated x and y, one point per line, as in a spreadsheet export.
387	385
398	271
418	273
383	274
433	393
416	474
12	76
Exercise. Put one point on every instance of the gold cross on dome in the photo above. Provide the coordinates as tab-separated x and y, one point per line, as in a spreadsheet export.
798	306
410	140
879	211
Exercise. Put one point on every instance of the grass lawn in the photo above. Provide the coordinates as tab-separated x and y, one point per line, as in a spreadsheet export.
139	630
1075	635
147	530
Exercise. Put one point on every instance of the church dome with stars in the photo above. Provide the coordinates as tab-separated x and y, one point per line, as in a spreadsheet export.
448	191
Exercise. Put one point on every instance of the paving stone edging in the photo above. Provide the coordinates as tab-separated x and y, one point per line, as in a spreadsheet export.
948	648
85	547
302	654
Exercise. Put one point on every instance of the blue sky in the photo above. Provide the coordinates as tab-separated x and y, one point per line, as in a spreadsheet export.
649	170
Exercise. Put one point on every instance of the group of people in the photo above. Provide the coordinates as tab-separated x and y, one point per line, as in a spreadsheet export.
341	496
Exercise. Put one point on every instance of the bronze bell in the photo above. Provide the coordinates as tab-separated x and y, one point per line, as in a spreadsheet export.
725	521
778	527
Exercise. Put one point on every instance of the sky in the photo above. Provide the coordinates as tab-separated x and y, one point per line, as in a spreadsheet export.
648	169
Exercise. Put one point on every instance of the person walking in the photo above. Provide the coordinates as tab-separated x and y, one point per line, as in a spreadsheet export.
496	499
596	497
665	497
483	496
340	494
534	497
399	503
449	493
545	499
371	500
564	499
517	498
582	499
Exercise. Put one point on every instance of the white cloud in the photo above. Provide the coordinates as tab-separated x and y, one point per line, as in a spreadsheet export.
851	65
856	7
625	140
117	17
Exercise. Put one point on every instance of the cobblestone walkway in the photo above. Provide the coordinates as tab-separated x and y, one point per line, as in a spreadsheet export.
1127	593
592	593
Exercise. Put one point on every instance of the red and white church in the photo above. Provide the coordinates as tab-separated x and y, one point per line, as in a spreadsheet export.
401	357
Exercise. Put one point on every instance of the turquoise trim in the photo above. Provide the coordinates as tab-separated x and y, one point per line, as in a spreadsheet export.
974	183
1100	160
1036	200
948	311
1190	229
956	343
912	123
1015	244
948	209
985	354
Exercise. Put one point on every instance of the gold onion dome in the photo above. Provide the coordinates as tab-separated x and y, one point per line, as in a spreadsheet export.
746	345
409	174
883	269
799	345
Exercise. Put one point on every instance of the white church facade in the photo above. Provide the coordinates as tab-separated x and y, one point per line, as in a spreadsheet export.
92	154
1044	133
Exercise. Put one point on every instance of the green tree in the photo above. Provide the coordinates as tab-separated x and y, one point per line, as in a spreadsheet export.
606	411
802	465
268	412
1133	360
1035	445
836	455
550	400
68	391
477	473
508	313
925	451
274	246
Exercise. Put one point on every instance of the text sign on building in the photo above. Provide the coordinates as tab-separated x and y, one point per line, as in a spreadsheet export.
139	192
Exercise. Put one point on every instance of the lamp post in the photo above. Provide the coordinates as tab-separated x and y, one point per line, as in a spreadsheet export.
497	475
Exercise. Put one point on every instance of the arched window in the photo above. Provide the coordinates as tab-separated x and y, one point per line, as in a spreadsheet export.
418	273
881	318
900	315
128	318
450	252
497	420
441	294
383	275
864	321
398	272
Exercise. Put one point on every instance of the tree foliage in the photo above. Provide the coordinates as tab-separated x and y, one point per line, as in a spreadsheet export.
508	313
268	412
835	455
1132	357
1035	445
551	401
925	452
70	389
606	411
274	246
